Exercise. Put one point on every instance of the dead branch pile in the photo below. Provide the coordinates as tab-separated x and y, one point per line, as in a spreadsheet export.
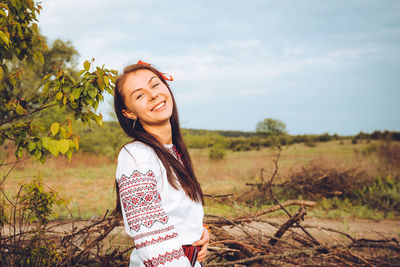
243	241
317	180
72	243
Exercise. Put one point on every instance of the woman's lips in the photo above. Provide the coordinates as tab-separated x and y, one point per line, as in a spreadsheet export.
159	106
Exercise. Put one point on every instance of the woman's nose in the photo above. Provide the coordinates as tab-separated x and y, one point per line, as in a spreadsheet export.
153	95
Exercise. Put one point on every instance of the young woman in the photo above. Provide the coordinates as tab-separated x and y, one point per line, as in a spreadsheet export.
160	198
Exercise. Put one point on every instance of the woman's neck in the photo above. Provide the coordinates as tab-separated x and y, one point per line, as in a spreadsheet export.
163	133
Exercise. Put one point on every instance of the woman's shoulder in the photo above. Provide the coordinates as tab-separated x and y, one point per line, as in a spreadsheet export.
139	151
137	146
137	157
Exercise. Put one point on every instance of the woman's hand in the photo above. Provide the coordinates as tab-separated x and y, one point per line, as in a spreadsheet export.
203	242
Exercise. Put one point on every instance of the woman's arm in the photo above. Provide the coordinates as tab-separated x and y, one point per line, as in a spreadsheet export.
156	239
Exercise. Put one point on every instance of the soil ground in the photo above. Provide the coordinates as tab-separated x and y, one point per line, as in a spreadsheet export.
318	228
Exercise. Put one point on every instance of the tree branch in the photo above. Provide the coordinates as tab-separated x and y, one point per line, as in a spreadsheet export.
26	114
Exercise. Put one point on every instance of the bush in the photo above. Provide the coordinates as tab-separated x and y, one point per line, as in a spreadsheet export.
311	143
205	140
324	137
382	194
370	149
31	247
216	152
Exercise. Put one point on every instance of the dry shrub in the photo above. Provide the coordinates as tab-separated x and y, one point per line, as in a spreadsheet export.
321	178
389	158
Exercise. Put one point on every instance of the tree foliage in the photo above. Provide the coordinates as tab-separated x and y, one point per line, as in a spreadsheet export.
271	126
23	47
37	80
58	55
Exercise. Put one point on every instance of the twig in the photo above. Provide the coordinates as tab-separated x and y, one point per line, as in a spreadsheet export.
299	216
276	200
26	114
284	204
13	162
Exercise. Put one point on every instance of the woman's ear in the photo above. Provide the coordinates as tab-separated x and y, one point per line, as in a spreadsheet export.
129	114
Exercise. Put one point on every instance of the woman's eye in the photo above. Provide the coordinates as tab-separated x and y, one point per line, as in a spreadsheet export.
155	85
139	96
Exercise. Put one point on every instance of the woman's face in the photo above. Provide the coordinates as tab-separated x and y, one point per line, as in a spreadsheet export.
147	98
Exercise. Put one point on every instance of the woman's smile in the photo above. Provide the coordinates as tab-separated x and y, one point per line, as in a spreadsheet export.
159	107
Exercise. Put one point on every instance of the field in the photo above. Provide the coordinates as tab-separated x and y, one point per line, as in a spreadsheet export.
87	182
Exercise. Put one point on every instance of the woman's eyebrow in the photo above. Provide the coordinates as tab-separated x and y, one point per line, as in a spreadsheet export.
151	79
134	91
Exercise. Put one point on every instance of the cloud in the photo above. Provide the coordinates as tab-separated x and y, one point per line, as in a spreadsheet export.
276	58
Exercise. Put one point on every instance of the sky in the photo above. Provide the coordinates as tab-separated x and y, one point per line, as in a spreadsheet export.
318	66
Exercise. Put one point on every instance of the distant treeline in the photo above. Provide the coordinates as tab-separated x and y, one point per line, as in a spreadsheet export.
109	139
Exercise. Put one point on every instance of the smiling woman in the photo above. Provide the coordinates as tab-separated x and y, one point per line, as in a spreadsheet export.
157	191
147	97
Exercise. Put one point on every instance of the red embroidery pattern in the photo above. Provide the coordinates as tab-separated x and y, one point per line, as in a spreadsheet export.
175	153
141	200
157	240
162	259
159	231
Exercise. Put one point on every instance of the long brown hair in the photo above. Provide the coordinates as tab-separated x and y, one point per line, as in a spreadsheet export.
184	174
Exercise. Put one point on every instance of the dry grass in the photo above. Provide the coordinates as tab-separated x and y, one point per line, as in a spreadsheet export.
88	181
230	174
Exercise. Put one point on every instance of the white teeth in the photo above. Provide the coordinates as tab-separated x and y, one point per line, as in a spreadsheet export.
159	106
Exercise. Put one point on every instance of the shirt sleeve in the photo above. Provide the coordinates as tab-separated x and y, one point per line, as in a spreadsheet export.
156	239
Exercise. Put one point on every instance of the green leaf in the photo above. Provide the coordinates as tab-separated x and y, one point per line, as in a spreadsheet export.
42	158
31	146
71	143
99	120
20	152
63	145
1	72
92	92
38	154
87	85
53	148
81	72
46	142
47	76
86	65
89	101
76	92
38	55
4	38
59	95
54	128
71	78
39	145
46	86
20	110
63	132
106	80
69	155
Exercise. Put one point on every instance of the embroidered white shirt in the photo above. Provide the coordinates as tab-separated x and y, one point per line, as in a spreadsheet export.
157	216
